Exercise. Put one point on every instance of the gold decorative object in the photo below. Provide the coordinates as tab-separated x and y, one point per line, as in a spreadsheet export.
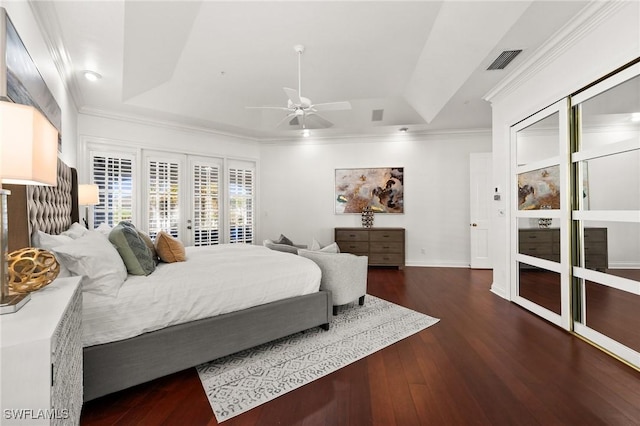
30	269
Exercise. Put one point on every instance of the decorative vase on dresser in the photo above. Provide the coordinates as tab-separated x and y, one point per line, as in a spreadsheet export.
384	246
42	358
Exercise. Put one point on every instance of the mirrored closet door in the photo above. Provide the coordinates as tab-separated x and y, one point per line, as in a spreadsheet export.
606	218
540	225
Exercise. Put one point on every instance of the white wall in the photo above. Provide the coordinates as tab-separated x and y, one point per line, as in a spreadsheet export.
28	30
158	136
602	45
297	190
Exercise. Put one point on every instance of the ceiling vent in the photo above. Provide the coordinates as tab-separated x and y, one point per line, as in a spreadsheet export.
504	59
376	114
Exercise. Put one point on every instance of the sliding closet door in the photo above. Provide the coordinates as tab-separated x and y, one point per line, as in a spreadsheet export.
540	220
606	219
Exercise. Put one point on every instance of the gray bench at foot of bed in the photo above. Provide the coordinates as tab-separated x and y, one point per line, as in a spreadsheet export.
115	366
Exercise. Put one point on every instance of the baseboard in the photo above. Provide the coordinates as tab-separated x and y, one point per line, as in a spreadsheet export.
437	264
624	265
498	291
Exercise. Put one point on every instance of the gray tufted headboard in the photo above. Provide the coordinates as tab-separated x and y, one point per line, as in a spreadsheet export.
51	209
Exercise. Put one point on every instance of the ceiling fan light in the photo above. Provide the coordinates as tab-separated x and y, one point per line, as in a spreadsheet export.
306	133
403	129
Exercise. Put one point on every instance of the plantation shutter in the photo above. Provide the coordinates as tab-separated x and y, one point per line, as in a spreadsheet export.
206	204
114	174
163	196
241	204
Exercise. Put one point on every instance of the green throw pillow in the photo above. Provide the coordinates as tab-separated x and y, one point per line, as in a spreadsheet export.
132	249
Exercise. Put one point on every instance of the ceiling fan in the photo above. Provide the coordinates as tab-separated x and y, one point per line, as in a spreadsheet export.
300	110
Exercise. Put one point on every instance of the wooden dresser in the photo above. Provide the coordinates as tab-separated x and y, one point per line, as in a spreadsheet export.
545	244
383	246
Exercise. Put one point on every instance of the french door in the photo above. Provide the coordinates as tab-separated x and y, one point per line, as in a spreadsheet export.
185	198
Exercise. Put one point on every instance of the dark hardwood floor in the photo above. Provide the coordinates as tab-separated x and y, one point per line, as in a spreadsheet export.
487	362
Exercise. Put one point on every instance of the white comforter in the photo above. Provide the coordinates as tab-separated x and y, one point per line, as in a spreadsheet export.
213	281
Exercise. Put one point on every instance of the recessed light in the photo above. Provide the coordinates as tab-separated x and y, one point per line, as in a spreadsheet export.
91	75
403	129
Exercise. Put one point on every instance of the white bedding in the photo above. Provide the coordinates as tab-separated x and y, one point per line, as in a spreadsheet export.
214	280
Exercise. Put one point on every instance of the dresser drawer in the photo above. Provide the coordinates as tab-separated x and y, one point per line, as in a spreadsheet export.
386	259
351	235
386	247
386	235
534	248
595	235
356	247
536	235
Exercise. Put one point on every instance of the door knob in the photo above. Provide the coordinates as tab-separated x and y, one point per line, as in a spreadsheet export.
474	224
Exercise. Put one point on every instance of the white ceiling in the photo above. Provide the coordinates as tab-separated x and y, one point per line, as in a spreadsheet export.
202	63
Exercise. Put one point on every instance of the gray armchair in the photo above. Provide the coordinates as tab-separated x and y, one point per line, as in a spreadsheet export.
344	274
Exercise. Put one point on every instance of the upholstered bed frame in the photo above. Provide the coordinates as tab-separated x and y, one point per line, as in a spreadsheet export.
115	366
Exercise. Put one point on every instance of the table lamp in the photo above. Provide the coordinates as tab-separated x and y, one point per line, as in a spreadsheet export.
28	156
88	195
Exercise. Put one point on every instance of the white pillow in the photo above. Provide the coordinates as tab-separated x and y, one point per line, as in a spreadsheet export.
331	248
75	231
104	229
48	242
94	258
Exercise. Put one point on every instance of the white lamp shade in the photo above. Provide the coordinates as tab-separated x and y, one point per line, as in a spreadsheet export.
88	195
29	146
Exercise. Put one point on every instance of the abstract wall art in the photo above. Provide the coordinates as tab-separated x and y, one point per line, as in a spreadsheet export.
380	188
20	80
539	189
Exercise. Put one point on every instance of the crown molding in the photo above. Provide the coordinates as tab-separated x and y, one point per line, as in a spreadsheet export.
45	15
421	136
166	124
584	22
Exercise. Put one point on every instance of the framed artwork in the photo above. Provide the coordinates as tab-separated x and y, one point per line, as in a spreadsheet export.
539	189
20	80
380	188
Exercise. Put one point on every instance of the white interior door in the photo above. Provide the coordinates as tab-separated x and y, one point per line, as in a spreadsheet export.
480	192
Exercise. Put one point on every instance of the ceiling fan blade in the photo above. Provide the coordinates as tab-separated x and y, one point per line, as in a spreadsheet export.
318	119
294	121
332	106
285	118
293	95
268	107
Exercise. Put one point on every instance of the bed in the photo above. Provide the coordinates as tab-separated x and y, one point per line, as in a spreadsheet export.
116	360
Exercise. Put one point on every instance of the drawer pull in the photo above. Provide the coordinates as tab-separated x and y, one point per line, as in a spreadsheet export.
352	235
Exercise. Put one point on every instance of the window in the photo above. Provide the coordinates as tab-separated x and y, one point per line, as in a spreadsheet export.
206	204
114	174
163	196
241	204
202	200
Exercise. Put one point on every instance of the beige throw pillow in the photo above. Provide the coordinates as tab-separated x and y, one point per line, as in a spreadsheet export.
169	249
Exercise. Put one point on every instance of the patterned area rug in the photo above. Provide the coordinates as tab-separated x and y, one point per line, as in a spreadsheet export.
242	381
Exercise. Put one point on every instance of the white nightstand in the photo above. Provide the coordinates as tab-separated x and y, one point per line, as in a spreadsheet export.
41	358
